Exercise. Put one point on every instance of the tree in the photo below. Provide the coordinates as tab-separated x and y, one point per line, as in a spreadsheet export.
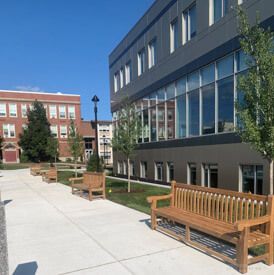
256	110
34	138
53	149
126	132
75	142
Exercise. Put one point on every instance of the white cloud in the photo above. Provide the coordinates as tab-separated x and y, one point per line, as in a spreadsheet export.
28	88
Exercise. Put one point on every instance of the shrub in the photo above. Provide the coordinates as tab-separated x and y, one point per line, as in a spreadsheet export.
92	164
24	158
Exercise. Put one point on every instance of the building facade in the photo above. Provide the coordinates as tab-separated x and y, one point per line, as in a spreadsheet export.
14	105
104	130
88	134
179	65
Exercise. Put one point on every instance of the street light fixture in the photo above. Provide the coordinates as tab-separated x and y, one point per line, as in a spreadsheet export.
95	100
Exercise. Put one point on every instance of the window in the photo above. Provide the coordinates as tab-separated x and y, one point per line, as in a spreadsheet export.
181	108
121	78
210	175
13	110
170	171
146	126
252	179
62	111
71	112
54	131
116	82
218	9
193	113
192	174
128	73
120	168
225	67
152	54
9	130
124	168
226	105
189	23
132	168
208	109
24	126
63	131
208	74
174	37
242	61
24	110
141	62
52	111
159	171
3	109
143	168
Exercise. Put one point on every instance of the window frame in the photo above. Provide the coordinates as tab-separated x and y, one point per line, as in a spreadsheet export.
174	35
152	53
65	111
51	114
15	109
9	129
186	23
141	62
5	107
61	135
69	112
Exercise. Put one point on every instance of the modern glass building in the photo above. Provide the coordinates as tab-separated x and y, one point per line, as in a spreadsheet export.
179	65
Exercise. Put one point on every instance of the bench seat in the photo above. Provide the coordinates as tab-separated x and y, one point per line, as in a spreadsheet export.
219	229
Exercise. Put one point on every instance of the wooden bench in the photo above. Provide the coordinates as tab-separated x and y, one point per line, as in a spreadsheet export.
90	182
35	169
50	175
244	220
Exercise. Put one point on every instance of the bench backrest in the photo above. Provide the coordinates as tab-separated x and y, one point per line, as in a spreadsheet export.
52	172
94	180
223	205
35	166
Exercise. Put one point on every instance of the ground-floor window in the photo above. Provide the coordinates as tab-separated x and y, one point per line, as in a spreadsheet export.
124	168
170	171
159	171
120	168
210	175
252	178
192	174
143	169
132	170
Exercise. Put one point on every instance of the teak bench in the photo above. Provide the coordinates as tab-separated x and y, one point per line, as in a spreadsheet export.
90	182
244	220
50	175
35	169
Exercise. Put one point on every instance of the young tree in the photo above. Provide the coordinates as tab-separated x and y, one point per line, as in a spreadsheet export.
256	110
75	141
126	132
53	149
34	138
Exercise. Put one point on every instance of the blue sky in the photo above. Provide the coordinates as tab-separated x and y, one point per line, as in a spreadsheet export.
63	45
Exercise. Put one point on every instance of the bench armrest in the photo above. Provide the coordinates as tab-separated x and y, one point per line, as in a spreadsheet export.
72	180
154	199
248	223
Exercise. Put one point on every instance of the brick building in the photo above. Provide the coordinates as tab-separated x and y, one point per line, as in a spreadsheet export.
88	134
60	109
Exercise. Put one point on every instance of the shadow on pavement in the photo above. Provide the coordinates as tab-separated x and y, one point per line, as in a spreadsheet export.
26	269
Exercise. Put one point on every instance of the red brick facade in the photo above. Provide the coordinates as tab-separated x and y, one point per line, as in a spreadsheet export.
60	109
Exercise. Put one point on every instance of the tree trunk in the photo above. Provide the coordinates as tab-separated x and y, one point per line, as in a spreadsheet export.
128	175
271	177
75	168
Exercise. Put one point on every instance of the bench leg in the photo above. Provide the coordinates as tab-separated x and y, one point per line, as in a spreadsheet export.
242	251
187	234
153	220
90	195
270	246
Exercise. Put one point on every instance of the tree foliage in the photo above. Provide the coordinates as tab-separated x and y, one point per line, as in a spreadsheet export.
126	132
34	138
256	110
75	142
53	149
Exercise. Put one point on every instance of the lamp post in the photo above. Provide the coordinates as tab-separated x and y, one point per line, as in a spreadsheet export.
95	100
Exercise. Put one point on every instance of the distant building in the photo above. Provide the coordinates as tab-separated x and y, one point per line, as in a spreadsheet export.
104	141
14	105
179	64
88	133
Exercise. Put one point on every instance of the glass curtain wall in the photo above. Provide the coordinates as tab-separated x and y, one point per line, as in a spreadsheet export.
200	103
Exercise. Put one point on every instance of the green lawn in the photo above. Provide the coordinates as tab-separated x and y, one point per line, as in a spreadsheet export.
117	192
16	166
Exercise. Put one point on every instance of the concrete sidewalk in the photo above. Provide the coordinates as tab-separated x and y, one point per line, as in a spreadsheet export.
51	231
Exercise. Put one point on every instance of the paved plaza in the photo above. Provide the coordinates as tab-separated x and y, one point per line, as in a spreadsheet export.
51	231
